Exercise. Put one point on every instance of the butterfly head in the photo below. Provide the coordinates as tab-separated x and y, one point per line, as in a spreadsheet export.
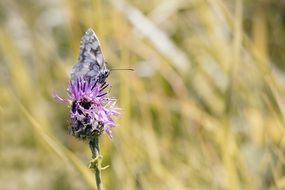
104	73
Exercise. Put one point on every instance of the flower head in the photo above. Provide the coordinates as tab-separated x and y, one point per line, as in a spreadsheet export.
91	108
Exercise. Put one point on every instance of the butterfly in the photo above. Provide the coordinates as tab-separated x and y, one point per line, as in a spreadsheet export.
91	63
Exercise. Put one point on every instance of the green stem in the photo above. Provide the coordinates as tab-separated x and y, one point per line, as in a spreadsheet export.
96	161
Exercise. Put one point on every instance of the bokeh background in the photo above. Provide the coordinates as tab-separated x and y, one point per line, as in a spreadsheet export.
204	108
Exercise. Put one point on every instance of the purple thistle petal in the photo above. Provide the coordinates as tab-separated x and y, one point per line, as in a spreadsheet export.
58	98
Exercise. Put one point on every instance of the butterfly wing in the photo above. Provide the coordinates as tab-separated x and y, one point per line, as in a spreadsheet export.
91	60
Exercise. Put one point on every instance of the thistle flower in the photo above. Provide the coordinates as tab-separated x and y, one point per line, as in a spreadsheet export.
91	108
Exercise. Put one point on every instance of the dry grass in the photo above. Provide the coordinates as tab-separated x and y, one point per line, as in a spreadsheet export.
203	109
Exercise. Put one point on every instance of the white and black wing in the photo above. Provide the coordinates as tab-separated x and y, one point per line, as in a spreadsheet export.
91	61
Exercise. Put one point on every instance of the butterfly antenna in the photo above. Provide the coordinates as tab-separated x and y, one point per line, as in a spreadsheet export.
122	69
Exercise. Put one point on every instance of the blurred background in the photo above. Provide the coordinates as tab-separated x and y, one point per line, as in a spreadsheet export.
204	108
